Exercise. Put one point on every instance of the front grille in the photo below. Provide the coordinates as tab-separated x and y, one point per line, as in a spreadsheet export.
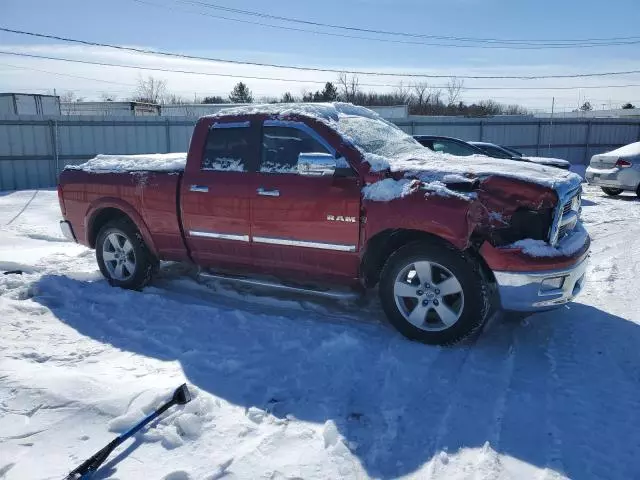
562	231
570	205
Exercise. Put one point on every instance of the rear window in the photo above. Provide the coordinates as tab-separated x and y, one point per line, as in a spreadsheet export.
227	149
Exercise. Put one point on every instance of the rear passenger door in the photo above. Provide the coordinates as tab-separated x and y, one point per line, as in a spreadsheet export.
216	196
302	225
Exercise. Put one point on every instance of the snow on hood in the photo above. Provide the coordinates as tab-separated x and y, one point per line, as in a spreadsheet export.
631	150
547	160
155	162
385	146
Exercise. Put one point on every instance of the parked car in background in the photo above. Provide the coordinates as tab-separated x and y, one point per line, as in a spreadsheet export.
303	197
450	145
500	151
455	146
616	171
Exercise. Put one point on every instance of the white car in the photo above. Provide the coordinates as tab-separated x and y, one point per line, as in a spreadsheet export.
616	171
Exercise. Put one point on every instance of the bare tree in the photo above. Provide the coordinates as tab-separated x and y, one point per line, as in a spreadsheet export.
349	86
454	89
70	96
403	94
150	90
173	99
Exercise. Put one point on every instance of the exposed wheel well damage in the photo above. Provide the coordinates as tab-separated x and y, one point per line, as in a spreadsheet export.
384	243
100	219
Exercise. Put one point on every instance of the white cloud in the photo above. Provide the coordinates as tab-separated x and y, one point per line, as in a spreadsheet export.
40	75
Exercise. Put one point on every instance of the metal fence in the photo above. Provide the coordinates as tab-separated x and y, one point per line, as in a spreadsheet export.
33	150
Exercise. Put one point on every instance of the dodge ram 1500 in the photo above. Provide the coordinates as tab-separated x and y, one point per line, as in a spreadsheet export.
308	196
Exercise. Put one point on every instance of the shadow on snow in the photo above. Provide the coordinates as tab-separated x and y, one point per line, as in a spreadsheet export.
559	391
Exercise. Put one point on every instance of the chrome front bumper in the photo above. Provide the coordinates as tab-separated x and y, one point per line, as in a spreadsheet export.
534	291
67	230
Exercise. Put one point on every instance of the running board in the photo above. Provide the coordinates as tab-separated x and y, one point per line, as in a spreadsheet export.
333	294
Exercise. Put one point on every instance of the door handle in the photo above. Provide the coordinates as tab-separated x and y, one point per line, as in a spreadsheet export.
199	188
268	193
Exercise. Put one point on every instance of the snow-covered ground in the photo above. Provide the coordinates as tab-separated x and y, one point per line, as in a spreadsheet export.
290	389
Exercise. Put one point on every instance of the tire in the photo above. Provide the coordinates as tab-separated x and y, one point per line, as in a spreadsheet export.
470	306
138	264
638	191
612	192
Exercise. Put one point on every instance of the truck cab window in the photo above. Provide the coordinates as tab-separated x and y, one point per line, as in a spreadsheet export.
227	149
281	147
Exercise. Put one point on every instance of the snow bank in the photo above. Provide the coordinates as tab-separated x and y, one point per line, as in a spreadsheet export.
385	146
155	162
568	246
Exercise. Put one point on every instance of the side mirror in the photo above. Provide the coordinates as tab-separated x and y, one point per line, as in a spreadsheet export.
316	164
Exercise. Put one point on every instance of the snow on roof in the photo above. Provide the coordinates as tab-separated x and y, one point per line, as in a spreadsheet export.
321	111
630	150
156	162
385	146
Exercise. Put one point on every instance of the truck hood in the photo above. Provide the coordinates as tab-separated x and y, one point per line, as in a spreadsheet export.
547	161
449	169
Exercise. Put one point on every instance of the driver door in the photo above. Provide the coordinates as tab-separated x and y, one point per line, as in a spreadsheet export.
302	225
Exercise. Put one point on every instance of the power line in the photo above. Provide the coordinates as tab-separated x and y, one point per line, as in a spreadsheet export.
376	39
251	77
311	69
546	42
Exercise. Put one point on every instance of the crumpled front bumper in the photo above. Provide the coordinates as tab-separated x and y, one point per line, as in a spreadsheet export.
534	291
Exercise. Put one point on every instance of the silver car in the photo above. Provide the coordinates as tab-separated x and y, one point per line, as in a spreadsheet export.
616	171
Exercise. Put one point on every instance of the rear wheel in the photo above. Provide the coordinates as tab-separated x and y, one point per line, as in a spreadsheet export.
433	294
123	257
612	192
638	191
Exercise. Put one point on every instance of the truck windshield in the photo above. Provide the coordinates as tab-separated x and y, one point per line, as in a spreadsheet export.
378	137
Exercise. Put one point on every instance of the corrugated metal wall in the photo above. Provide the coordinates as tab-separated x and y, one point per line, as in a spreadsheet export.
33	150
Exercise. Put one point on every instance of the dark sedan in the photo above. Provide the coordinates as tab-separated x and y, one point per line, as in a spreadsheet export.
455	146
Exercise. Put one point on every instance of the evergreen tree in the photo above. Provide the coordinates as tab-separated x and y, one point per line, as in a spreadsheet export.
241	94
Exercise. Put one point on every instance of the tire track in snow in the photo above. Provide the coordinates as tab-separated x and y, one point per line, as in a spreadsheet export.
22	210
527	432
476	406
596	405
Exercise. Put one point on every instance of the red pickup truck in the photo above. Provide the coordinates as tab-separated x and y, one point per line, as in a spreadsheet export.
306	197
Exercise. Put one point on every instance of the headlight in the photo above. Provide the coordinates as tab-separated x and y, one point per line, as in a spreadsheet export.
525	223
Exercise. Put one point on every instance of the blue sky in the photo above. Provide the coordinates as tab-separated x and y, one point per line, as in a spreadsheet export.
180	26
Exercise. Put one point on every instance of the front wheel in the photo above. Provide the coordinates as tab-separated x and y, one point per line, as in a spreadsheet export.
433	293
612	192
123	257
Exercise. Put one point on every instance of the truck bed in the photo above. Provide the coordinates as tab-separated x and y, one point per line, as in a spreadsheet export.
150	198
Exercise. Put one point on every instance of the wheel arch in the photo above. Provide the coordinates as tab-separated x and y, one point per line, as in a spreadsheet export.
380	246
106	211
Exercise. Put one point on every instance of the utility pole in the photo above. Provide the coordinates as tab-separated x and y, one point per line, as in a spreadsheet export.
553	107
